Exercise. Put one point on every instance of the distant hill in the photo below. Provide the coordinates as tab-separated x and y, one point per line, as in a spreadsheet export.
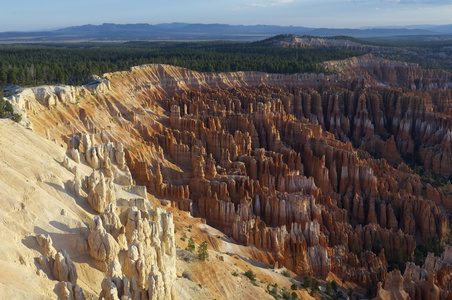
192	32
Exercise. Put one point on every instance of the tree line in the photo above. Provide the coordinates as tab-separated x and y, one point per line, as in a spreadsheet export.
37	64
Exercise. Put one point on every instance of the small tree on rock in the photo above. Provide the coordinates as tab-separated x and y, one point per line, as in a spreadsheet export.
203	254
314	287
306	281
328	288
334	285
191	245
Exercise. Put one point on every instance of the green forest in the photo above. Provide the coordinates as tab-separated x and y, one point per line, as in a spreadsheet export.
37	64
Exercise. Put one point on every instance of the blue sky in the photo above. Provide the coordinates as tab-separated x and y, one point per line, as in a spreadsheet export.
51	14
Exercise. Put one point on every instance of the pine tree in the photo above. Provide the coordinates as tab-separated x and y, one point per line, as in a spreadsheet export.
12	76
203	254
306	281
3	75
191	245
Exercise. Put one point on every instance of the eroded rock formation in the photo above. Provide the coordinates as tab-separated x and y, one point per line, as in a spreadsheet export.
137	252
62	268
284	163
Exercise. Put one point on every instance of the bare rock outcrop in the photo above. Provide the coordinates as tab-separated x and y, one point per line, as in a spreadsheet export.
111	221
101	192
60	263
62	268
69	291
102	245
393	287
149	266
46	243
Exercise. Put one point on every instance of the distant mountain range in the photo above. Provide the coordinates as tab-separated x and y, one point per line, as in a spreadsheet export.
192	32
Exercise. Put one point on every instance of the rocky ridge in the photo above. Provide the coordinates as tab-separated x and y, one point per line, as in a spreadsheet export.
295	41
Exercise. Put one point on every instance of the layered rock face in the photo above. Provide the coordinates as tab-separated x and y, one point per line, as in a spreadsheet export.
281	163
378	71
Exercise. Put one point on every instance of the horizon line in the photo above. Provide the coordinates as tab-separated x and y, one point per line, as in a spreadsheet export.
408	27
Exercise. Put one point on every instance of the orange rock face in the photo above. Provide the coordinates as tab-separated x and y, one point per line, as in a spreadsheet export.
284	163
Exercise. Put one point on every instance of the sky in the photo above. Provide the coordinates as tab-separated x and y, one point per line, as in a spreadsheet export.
28	15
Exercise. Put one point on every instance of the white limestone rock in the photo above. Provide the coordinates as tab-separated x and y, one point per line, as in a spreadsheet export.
69	291
63	268
102	246
120	156
46	244
101	192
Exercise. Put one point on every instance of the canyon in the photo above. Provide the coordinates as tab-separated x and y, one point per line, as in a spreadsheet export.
338	176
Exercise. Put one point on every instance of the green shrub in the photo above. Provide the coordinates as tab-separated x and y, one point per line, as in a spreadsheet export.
273	290
286	295
17	118
286	273
250	275
6	109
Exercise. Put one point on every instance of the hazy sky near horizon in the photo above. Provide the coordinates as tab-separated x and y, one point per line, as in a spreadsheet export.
24	15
